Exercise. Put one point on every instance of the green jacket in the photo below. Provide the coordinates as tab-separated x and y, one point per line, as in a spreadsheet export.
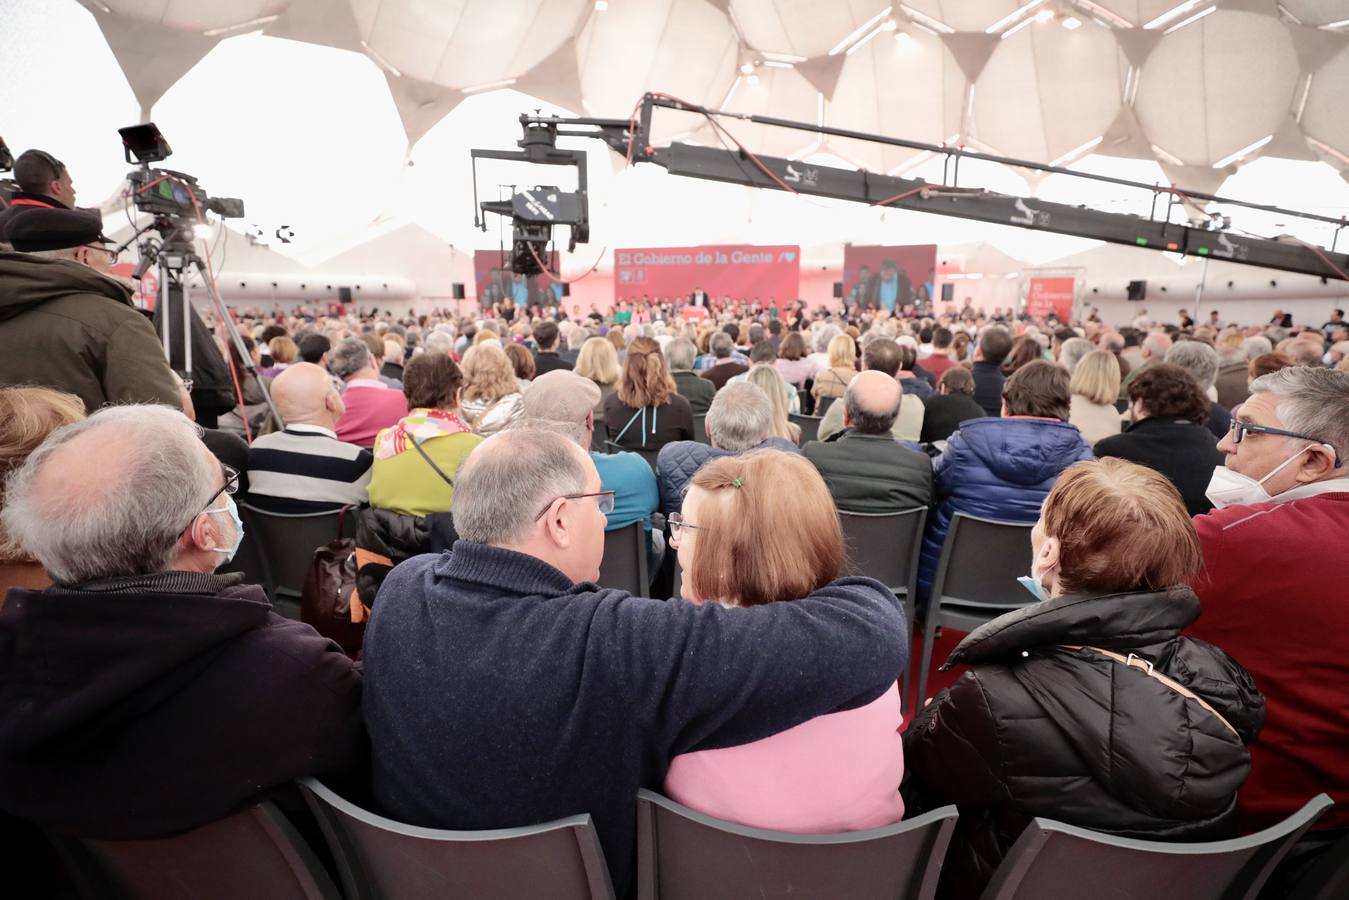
65	326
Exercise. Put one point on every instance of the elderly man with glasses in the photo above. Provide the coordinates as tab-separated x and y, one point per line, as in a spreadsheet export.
1274	588
504	688
144	694
65	323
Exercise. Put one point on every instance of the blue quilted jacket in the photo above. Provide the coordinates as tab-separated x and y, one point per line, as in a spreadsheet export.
998	469
678	462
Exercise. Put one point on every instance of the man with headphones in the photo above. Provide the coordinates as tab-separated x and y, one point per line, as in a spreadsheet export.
44	182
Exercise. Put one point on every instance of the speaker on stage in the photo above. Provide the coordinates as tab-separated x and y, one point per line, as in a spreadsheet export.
344	295
948	292
457	290
566	289
838	289
1137	290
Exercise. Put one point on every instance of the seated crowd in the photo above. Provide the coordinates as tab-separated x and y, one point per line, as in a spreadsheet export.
1134	691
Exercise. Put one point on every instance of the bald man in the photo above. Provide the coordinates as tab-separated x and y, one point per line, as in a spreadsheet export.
866	468
305	468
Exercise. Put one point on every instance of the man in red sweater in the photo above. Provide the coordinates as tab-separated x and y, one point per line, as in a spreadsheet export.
1273	589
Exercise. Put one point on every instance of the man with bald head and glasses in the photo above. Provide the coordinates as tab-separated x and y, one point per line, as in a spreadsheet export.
141	652
504	688
1274	588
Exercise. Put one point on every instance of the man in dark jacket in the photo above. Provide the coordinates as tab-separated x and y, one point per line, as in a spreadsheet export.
724	367
952	404
739	421
698	391
143	694
504	688
547	359
65	325
867	470
44	183
994	345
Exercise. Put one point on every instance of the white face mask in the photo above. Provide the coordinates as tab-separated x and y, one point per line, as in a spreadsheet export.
1033	583
1230	488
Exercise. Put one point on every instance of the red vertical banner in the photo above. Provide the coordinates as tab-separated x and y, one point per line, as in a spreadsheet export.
768	275
1051	295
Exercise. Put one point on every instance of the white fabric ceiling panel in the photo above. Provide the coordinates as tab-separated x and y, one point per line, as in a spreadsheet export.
1047	90
900	90
1141	12
963	15
782	93
1201	98
195	15
1324	116
1318	12
801	27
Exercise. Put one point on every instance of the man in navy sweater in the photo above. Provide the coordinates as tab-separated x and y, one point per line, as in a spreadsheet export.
503	688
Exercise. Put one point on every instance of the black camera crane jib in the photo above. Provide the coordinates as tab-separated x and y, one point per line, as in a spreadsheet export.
632	137
177	204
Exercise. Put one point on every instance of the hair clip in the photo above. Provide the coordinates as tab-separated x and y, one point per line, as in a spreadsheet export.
737	483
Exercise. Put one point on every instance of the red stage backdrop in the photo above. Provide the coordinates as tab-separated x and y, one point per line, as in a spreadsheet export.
915	266
493	280
765	274
1046	295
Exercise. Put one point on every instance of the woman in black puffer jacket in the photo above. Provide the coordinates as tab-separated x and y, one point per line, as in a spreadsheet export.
1089	707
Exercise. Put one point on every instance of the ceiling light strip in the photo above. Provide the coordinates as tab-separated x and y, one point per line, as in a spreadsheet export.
373	54
1243	152
863	42
1101	12
242	26
1017	27
936	25
488	86
861	30
1077	151
1172	13
1191	20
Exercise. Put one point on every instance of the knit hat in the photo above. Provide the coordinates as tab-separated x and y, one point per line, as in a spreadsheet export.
560	396
36	228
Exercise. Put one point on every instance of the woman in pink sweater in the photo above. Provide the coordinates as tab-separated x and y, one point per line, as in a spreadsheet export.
760	528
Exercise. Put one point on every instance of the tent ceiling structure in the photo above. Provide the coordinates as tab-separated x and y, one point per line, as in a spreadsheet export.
1190	87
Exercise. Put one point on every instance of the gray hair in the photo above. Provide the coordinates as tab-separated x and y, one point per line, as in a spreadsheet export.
508	478
152	490
1311	401
741	416
348	357
577	335
824	336
681	353
1072	351
721	345
1197	358
438	341
1256	346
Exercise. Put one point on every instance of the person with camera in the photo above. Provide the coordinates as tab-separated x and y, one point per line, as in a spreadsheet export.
44	183
64	323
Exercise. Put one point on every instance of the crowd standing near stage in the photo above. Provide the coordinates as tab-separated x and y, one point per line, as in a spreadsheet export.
1185	483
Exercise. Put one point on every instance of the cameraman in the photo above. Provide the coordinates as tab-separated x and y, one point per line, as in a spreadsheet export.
43	182
64	323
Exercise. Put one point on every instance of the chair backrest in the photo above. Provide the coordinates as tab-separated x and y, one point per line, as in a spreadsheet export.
981	560
683	854
810	427
380	859
1328	878
288	541
885	546
624	564
256	853
1050	855
251	559
822	406
647	454
700	429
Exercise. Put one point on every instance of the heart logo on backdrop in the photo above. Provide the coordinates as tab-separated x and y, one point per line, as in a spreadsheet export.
788	255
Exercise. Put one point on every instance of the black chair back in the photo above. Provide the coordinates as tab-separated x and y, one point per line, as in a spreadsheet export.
647	454
287	542
975	580
685	855
625	565
380	859
1050	858
700	429
823	405
1328	877
810	427
252	854
888	547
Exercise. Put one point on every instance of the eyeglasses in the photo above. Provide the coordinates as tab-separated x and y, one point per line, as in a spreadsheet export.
606	501
1240	429
677	525
230	487
113	254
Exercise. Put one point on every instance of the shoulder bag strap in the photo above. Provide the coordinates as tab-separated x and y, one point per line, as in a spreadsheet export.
1142	665
418	447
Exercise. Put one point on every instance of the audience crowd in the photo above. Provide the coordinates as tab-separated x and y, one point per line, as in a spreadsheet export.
1174	667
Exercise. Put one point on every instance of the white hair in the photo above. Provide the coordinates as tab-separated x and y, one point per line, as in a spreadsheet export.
1197	358
741	416
1072	351
1256	346
439	341
149	493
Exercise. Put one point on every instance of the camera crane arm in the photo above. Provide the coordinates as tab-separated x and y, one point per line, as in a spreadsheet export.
1154	232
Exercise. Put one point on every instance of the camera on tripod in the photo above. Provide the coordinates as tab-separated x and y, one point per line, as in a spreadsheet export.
164	192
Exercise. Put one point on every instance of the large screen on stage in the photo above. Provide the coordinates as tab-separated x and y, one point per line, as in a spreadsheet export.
739	271
888	277
494	281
